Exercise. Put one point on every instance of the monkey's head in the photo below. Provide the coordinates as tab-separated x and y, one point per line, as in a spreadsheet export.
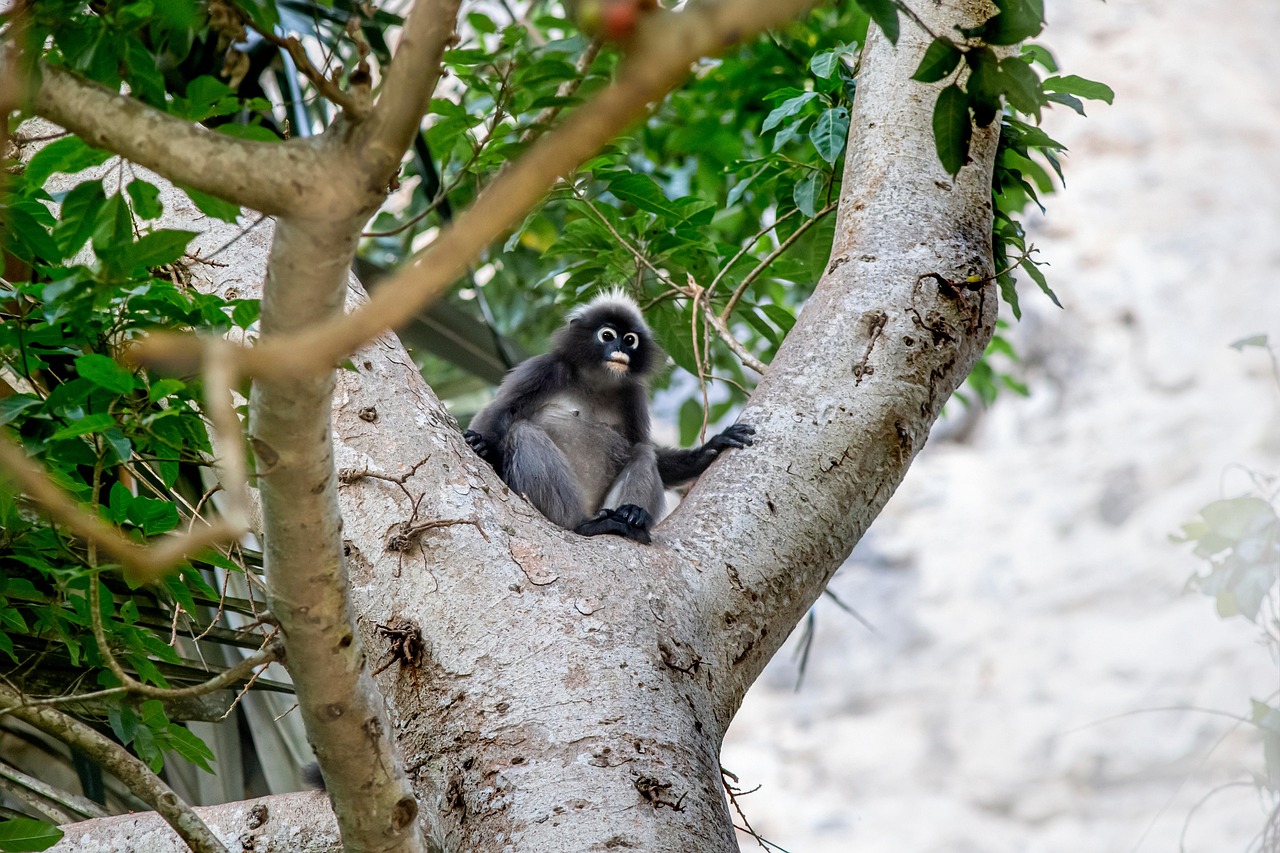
607	336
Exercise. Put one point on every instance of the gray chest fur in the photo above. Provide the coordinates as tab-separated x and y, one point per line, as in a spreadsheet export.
588	433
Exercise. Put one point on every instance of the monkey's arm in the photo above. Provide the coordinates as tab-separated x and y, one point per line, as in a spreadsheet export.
680	466
525	388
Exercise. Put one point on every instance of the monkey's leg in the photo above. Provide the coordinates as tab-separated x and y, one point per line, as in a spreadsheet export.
632	501
638	483
536	468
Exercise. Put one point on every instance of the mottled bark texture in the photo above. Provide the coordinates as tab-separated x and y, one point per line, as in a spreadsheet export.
550	692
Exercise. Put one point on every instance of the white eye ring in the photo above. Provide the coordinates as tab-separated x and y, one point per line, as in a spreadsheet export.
606	334
631	339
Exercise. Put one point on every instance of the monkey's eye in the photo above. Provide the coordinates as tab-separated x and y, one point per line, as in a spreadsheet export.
606	334
631	339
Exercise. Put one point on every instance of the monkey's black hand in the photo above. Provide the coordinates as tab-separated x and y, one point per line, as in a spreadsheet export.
484	448
738	435
628	520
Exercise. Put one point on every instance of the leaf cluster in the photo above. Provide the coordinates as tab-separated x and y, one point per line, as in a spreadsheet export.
83	276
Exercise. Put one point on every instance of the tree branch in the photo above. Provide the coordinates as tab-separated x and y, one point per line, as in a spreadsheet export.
273	178
663	50
849	399
117	761
406	90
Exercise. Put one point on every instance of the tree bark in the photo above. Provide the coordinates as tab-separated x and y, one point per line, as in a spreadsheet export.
572	693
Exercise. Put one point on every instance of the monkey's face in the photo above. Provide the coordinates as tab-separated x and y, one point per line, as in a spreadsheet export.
611	342
617	349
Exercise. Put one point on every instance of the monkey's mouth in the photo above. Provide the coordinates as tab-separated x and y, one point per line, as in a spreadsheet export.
619	362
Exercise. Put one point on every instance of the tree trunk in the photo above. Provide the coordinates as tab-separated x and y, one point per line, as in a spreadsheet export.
572	693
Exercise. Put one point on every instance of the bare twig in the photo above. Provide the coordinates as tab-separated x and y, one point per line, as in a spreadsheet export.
353	105
145	563
663	51
769	259
116	760
272	651
746	246
744	355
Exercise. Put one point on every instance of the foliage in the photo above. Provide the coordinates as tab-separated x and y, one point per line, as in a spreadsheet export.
111	436
1239	540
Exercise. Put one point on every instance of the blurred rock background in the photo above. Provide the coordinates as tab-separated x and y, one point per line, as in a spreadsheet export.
1039	681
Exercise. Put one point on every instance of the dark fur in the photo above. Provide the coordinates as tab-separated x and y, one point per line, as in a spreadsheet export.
572	435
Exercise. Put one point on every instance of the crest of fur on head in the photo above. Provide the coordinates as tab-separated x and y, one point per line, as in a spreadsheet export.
615	298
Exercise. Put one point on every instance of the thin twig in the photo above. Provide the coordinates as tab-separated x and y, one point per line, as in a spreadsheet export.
272	651
746	246
626	244
744	355
353	105
769	259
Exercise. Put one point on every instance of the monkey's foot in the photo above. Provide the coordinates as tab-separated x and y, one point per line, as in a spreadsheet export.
628	520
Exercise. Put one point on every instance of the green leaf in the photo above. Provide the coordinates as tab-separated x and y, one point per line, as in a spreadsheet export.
33	239
106	373
213	206
1038	277
940	60
99	422
641	191
252	132
79	216
951	128
690	421
27	835
160	247
829	133
70	154
1041	55
146	199
1251	341
115	227
190	747
885	14
16	404
481	23
781	317
246	312
806	194
1021	86
1067	100
1016	21
786	109
1090	90
823	64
